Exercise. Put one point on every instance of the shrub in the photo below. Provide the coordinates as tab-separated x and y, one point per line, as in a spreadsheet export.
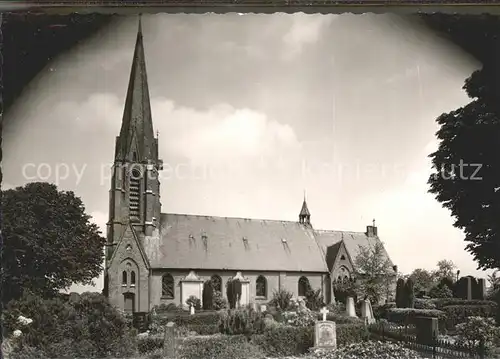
314	299
193	301
288	341
478	331
218	301
220	347
444	302
380	311
424	304
456	314
300	318
241	321
282	299
440	291
341	318
409	293
185	319
208	295
170	307
89	327
149	344
400	293
233	292
372	350
406	316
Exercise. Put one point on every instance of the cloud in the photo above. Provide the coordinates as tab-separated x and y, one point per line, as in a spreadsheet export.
305	29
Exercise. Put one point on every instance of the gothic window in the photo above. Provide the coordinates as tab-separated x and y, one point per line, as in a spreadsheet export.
261	287
167	286
132	278
303	286
124	278
135	183
216	283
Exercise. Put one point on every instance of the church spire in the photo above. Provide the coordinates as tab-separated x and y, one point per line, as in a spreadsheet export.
304	215
136	141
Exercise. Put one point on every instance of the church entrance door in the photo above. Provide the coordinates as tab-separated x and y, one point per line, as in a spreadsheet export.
129	302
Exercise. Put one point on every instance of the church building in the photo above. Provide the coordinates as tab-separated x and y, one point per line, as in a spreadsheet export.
154	258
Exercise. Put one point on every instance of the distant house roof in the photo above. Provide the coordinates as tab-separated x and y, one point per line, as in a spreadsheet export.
207	242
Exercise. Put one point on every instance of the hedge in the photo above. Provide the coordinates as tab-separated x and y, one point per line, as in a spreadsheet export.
424	304
186	319
220	347
289	341
456	314
405	316
445	302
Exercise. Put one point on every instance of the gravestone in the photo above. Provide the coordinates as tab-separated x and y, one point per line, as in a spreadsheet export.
469	288
324	312
427	330
367	312
349	307
481	283
325	334
169	349
140	321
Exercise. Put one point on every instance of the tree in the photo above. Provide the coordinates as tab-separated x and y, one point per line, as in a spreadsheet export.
423	280
49	242
375	273
446	270
466	170
494	284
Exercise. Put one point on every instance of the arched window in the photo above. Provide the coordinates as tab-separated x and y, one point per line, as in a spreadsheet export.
135	183
216	283
132	278
124	278
261	287
303	286
167	286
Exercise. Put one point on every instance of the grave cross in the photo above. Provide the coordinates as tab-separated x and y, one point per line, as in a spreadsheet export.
324	311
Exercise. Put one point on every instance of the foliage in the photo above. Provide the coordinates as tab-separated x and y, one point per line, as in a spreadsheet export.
445	302
184	319
343	289
424	304
300	318
446	269
375	272
233	292
400	293
494	287
380	311
409	294
49	241
456	314
406	316
440	291
478	331
314	299
285	340
208	295
87	328
469	135
241	321
193	301
170	307
220	347
281	299
371	349
218	301
422	279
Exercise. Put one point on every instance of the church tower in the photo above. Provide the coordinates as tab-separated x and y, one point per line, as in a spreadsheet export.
135	186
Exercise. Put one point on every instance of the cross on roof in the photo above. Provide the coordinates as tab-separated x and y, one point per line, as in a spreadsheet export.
324	311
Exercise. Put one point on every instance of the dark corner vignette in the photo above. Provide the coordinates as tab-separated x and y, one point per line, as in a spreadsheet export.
200	185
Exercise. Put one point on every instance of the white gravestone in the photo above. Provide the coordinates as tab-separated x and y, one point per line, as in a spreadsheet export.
191	309
349	307
367	312
325	335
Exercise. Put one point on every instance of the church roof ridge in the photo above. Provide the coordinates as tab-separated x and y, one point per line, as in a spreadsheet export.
227	217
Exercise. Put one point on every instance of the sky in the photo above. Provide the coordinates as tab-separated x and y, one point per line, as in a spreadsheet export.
253	110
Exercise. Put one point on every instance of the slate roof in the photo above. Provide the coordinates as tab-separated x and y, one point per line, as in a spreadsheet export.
208	242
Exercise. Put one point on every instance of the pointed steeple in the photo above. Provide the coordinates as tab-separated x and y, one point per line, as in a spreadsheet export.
136	141
304	215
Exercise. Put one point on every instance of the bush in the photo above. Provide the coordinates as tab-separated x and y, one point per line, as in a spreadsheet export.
193	301
372	350
456	314
162	308
440	291
424	304
478	331
380	311
208	295
233	292
218	301
288	341
89	327
149	344
282	299
406	316
220	347
409	294
314	299
400	293
445	302
241	321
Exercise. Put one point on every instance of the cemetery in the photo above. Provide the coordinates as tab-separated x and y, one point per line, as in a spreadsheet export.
413	326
